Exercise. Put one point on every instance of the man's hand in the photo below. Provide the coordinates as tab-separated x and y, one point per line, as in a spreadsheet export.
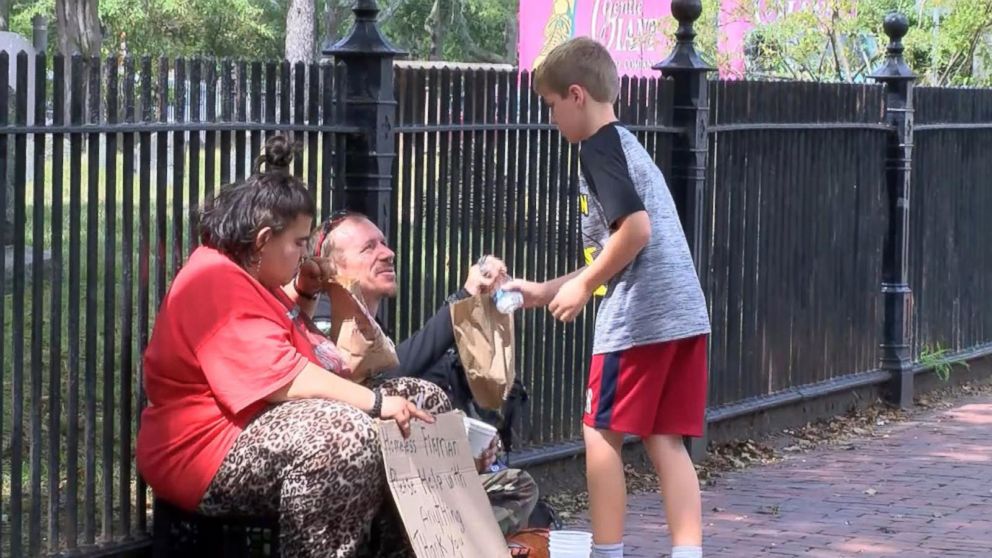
485	275
314	274
570	300
488	457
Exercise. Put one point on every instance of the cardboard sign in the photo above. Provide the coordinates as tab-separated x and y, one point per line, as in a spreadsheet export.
438	492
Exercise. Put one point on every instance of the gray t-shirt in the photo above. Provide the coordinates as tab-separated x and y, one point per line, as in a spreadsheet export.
657	297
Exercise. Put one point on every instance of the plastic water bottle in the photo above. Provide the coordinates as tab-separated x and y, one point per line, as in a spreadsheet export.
508	302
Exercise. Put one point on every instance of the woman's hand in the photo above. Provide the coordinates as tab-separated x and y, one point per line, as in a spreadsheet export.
402	411
314	274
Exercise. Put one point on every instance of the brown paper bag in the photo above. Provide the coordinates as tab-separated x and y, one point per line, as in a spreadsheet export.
484	337
364	346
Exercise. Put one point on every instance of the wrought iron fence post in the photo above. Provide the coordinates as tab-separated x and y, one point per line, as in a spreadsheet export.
370	102
690	111
371	105
898	80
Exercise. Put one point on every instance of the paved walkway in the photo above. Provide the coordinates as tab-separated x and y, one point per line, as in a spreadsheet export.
925	490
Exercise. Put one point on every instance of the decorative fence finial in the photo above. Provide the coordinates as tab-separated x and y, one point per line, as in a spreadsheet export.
684	55
896	25
686	12
365	36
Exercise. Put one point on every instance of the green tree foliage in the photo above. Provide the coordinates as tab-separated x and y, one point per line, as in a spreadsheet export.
479	30
949	42
241	28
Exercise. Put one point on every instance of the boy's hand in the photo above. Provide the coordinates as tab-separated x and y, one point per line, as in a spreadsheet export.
535	294
570	300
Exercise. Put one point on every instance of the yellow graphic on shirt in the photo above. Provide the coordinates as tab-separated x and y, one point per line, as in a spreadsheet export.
590	254
558	29
584	204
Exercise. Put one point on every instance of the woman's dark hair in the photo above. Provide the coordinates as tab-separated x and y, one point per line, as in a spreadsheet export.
270	198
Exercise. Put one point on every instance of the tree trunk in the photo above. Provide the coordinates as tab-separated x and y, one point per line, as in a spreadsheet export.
477	53
7	215
337	14
300	31
329	22
78	27
842	65
78	23
5	15
512	37
435	27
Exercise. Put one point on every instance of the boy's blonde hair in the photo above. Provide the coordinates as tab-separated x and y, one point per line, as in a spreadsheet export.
579	61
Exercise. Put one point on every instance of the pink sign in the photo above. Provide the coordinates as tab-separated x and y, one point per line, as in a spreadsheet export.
638	33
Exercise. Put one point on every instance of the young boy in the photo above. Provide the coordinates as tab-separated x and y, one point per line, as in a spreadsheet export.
648	370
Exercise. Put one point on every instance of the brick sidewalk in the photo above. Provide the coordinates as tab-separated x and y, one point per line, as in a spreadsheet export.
925	490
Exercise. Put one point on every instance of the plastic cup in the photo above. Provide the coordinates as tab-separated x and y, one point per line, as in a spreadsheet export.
480	435
571	536
586	548
570	552
570	544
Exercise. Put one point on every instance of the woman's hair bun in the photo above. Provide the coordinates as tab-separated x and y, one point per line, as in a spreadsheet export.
276	155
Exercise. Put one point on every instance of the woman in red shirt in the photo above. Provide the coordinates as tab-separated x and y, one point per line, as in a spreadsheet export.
247	413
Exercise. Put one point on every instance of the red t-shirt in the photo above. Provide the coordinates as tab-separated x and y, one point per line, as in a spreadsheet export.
221	344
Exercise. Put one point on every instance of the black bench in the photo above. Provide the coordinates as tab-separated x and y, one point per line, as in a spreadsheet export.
179	533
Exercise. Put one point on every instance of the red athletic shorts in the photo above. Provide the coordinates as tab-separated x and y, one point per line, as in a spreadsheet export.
650	389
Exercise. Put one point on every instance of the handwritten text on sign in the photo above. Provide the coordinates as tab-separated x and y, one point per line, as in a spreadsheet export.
439	495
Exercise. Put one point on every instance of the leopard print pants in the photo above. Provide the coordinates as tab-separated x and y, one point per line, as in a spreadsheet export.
317	464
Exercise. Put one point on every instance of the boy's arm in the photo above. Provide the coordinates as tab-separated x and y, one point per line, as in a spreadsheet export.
537	293
633	233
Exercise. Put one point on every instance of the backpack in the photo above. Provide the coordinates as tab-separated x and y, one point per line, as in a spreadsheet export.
544	517
530	543
449	374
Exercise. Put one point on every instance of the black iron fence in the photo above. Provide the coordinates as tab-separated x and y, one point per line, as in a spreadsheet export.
793	196
482	171
950	257
795	220
104	213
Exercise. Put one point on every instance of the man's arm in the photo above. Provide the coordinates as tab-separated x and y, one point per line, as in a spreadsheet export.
425	346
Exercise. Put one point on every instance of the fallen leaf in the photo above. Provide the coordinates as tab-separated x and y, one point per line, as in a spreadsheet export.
769	510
